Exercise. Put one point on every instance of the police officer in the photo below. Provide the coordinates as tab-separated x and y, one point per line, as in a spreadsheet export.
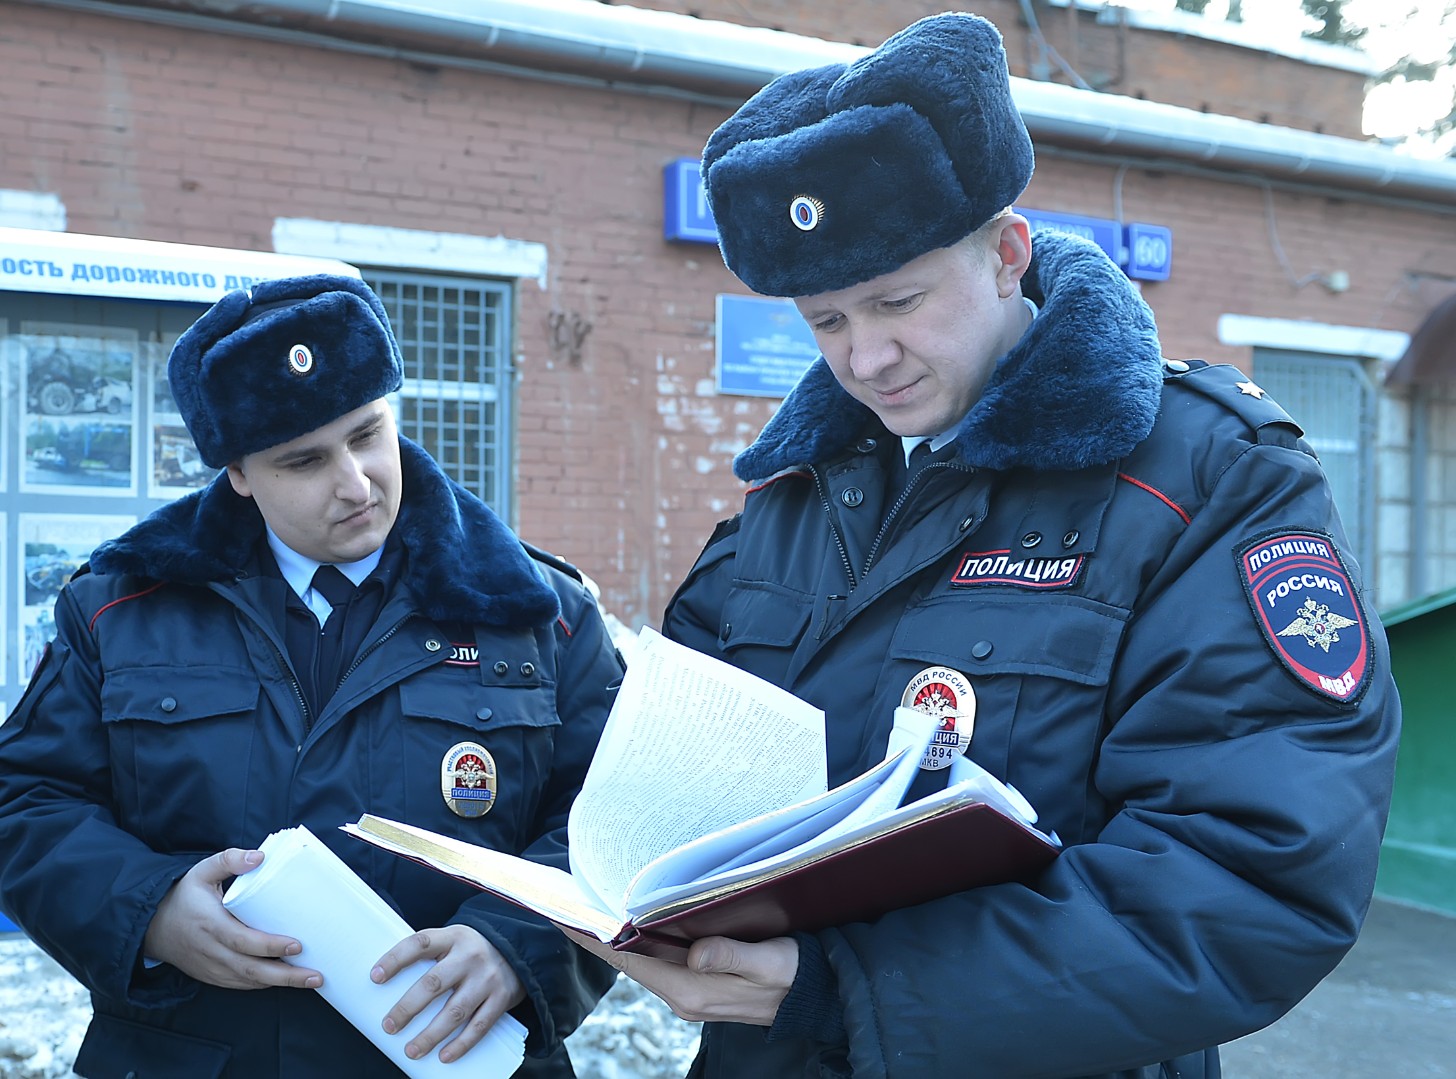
332	627
1129	572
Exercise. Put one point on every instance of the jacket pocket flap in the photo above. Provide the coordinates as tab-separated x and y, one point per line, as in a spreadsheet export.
475	706
177	694
1063	638
116	1047
763	614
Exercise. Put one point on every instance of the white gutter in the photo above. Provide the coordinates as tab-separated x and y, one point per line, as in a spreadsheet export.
625	45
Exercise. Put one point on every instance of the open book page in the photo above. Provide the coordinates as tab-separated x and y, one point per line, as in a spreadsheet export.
910	736
683	872
666	904
542	888
780	838
304	890
967	775
692	745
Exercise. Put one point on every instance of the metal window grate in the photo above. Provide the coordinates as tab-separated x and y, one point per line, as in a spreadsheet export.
1332	399
455	401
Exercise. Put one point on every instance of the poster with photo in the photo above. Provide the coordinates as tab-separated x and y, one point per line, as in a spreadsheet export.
78	409
52	547
174	464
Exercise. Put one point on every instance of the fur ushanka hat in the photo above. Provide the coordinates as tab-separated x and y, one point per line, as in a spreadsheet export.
265	365
830	176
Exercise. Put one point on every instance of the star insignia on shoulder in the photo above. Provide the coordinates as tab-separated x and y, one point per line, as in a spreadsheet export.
1251	390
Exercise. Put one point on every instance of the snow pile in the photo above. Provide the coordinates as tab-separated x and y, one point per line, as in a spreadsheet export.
43	1013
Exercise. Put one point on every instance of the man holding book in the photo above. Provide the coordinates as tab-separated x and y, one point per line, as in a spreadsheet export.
1132	566
332	625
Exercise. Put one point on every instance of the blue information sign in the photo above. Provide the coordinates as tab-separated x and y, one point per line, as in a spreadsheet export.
764	346
1149	252
1145	252
685	213
1105	234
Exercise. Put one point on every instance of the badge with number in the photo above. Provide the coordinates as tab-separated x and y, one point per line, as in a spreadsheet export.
945	694
468	779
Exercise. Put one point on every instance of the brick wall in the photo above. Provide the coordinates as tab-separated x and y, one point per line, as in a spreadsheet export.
623	451
1157	65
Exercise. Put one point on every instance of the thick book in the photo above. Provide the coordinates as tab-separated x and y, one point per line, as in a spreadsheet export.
705	813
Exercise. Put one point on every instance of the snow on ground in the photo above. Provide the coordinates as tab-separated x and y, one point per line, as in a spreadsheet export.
44	1012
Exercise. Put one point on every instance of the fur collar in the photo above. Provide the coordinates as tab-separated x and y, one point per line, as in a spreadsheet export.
463	564
1081	388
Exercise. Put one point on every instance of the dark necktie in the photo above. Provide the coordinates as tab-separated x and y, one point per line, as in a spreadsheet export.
330	582
901	471
918	456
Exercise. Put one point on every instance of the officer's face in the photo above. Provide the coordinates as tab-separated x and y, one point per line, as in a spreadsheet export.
332	494
918	345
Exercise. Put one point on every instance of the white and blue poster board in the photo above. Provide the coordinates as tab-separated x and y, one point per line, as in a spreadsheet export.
764	345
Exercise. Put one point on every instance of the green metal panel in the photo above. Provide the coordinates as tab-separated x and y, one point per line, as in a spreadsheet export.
1418	858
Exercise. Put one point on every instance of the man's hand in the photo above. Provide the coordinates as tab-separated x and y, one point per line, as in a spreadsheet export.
481	984
724	981
194	932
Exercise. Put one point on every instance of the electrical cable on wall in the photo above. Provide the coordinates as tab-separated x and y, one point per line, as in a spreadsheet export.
1046	49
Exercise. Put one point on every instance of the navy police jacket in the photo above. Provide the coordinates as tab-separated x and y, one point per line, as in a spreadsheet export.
1136	572
165	724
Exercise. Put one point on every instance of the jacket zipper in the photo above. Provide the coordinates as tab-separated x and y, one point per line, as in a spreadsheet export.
885	526
365	653
833	526
285	668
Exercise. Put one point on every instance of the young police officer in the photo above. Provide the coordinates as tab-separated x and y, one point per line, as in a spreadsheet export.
1132	567
332	627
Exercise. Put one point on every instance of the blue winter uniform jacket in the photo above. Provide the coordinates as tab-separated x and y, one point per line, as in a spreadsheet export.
1138	569
165	723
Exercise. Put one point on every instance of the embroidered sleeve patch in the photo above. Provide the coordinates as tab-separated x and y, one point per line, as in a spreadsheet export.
1307	609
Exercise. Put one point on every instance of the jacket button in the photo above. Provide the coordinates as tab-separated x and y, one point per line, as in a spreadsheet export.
852	497
981	649
1031	539
527	669
865	445
482	713
432	645
1071	538
501	667
966	524
1176	366
169	704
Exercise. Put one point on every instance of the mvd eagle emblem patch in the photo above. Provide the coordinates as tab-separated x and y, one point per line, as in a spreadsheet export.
1308	611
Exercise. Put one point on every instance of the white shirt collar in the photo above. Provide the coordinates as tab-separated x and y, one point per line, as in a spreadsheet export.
298	571
945	438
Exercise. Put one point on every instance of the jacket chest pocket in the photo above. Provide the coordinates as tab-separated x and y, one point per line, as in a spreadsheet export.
1039	667
762	627
184	742
475	759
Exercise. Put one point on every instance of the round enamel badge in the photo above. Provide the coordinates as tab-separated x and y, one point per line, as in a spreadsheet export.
300	360
947	695
805	212
468	780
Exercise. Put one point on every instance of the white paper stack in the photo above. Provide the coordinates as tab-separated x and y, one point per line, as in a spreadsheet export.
303	890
